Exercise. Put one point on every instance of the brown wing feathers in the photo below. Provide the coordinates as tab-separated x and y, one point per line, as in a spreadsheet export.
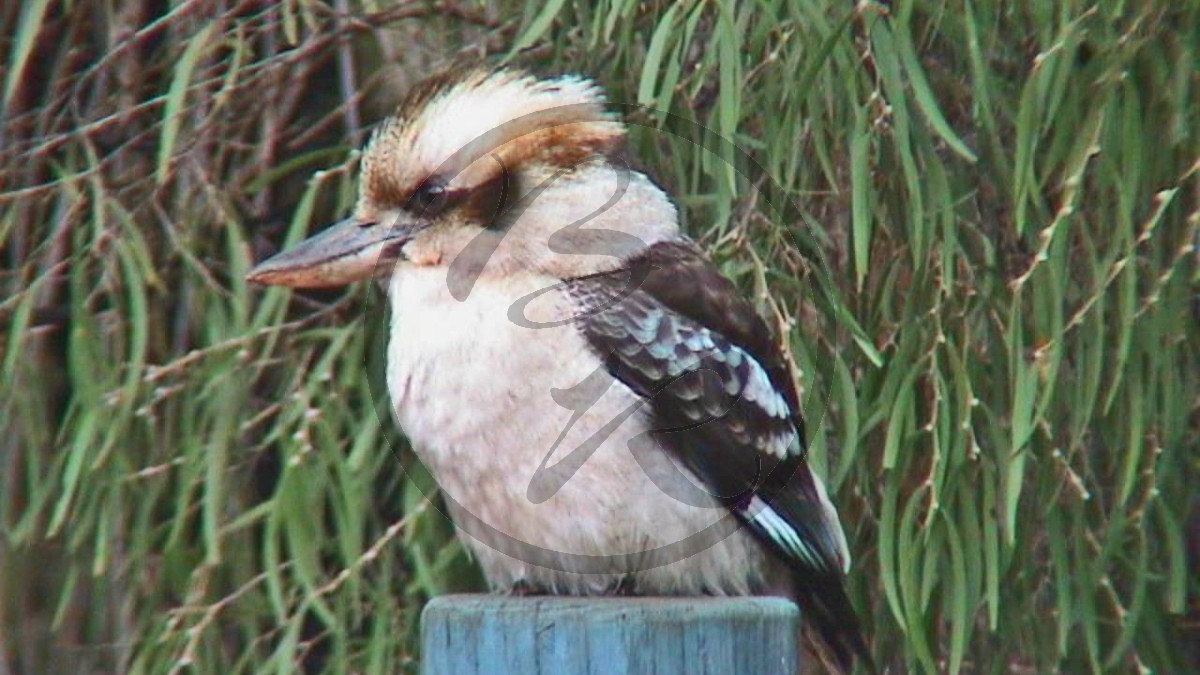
677	332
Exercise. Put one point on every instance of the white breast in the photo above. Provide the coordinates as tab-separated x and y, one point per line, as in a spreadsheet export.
475	393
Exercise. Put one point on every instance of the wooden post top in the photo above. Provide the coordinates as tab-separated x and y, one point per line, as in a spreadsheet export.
553	635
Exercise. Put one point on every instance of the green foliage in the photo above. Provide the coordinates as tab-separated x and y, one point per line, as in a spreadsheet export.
976	220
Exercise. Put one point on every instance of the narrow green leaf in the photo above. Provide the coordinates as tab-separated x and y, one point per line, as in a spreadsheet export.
541	23
923	93
959	601
174	110
33	15
860	201
888	562
647	94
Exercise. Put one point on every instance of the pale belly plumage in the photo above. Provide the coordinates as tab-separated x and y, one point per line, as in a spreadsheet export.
476	394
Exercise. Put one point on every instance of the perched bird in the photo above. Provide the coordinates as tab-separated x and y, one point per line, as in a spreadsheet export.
603	410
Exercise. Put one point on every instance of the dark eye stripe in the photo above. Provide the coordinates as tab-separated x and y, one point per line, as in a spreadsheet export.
489	201
483	203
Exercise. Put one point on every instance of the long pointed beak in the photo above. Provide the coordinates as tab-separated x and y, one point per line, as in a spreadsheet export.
338	255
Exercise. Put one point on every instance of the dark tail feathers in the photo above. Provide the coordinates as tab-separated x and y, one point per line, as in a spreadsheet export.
827	608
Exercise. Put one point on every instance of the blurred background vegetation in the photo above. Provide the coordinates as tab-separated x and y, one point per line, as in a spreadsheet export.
979	230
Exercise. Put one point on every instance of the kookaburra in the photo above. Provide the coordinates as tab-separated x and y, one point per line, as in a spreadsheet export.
579	378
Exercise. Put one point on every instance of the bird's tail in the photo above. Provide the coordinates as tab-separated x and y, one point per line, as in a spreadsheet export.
828	610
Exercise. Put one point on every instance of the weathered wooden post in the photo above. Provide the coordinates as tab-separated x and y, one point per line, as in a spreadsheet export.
544	635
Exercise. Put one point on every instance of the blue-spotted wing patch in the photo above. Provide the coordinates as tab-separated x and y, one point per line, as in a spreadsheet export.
723	414
694	374
676	332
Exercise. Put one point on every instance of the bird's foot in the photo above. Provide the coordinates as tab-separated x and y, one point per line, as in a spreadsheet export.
523	589
626	587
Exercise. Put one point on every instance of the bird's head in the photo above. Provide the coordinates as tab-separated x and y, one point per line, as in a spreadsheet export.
489	172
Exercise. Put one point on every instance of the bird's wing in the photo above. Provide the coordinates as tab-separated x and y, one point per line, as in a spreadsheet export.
678	333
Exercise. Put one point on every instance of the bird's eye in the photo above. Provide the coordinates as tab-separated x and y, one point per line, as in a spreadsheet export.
429	199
